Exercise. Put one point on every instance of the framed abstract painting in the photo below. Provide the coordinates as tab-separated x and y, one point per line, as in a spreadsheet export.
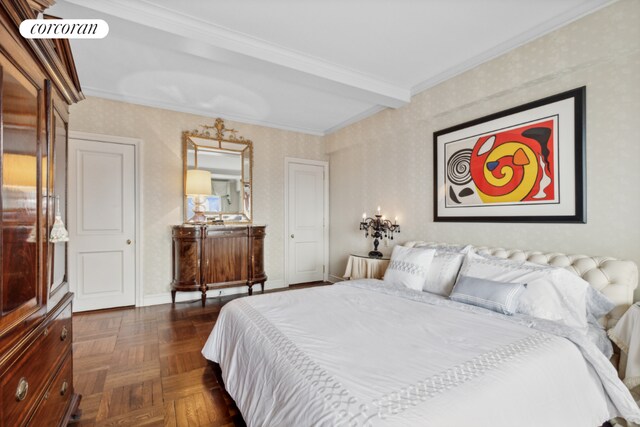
525	164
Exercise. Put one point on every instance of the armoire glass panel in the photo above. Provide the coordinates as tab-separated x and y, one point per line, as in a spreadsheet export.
19	192
59	205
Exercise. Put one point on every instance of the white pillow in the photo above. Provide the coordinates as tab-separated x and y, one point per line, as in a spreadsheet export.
443	272
409	266
552	293
444	268
445	247
598	306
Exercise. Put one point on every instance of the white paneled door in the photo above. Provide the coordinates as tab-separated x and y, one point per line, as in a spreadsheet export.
102	224
306	221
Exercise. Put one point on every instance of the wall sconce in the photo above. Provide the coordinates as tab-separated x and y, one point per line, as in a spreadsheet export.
378	228
198	186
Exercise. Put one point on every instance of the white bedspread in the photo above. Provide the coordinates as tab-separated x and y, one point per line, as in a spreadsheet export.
370	353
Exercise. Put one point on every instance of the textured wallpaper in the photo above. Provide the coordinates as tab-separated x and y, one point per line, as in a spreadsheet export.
161	133
387	159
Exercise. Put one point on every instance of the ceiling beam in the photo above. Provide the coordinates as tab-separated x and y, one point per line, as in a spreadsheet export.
206	40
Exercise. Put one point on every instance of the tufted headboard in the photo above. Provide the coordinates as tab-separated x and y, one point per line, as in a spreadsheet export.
617	279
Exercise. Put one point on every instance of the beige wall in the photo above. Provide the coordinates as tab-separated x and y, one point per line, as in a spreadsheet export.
387	159
161	132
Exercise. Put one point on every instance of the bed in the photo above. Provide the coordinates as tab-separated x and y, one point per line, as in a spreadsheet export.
375	353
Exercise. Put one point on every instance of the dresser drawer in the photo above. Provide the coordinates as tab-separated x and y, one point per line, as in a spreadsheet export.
182	232
257	231
57	397
227	232
26	379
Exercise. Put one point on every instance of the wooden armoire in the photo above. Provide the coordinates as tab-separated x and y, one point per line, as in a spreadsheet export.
38	82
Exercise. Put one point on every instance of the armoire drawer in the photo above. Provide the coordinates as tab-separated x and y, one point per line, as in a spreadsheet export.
26	379
57	397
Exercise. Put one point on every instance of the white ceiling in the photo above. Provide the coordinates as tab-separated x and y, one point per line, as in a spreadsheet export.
311	66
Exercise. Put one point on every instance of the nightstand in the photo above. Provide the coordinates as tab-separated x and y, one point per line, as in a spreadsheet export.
362	266
626	335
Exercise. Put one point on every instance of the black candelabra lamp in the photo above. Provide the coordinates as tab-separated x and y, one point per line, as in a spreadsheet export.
378	228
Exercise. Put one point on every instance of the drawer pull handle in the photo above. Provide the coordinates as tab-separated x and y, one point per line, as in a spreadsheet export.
23	388
46	332
64	333
63	389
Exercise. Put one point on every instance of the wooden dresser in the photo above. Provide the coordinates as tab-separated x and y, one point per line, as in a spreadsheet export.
38	82
217	257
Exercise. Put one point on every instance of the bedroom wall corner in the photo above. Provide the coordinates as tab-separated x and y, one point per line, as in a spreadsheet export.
161	130
387	158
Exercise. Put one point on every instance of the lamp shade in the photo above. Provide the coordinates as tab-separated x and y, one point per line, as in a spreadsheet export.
199	182
20	170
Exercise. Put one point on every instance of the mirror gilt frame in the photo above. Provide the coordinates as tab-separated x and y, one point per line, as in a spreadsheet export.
218	138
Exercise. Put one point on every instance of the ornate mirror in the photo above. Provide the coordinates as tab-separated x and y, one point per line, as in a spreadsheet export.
217	175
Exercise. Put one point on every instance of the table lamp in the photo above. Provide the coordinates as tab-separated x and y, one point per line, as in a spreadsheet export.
198	186
378	227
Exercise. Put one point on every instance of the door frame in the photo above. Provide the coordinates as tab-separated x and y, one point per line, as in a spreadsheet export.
137	154
325	165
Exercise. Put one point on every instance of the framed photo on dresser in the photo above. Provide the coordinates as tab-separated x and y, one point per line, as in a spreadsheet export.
524	164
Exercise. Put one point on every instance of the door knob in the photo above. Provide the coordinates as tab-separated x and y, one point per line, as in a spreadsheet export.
292	236
128	241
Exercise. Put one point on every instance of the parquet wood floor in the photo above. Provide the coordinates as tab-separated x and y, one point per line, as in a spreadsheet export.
143	367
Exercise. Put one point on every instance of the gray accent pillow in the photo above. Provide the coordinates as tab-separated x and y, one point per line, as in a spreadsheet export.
497	296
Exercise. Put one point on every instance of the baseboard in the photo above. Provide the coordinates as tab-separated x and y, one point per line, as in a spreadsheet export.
335	279
165	297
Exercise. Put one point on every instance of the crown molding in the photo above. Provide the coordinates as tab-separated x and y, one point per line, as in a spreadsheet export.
503	48
145	13
147	102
